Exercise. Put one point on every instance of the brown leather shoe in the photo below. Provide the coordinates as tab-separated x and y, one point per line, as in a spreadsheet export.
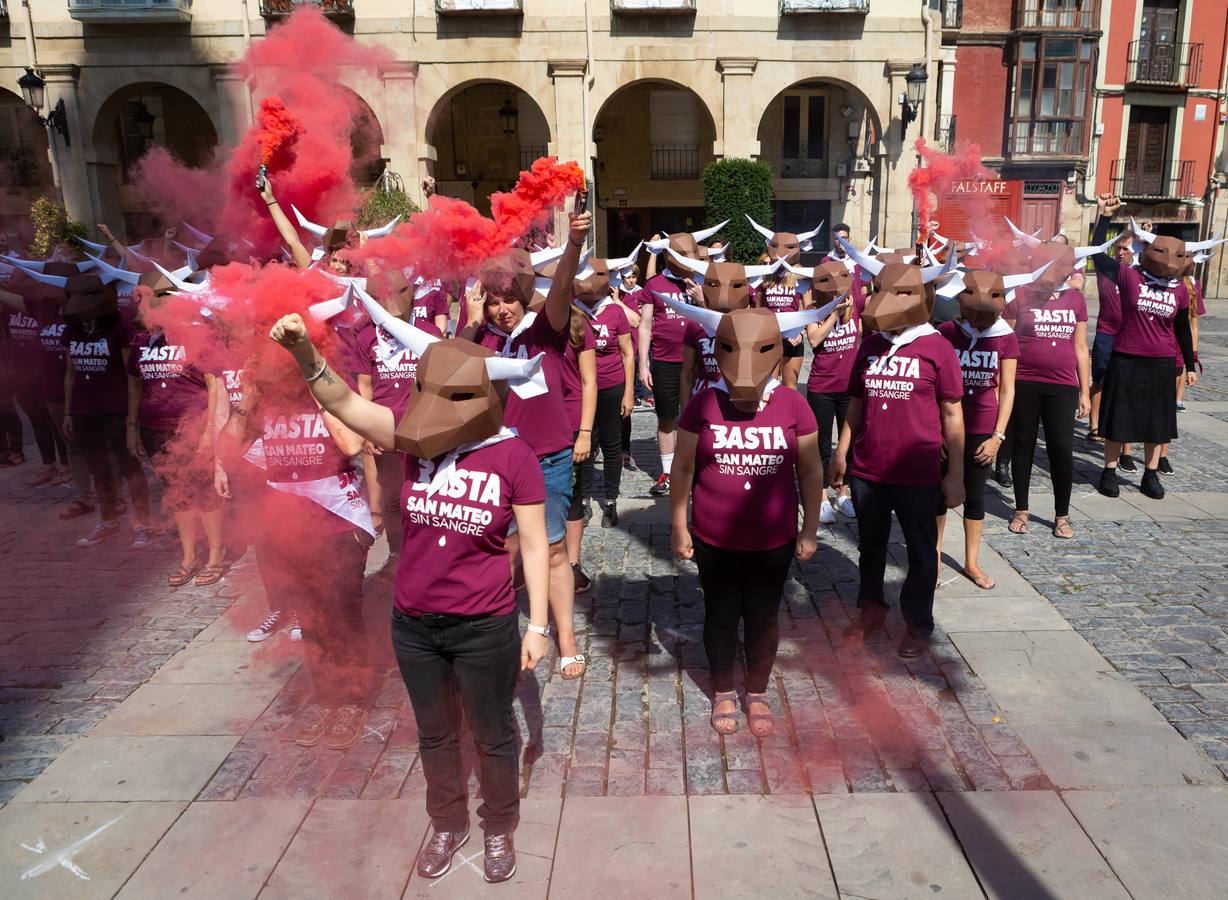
868	621
345	727
312	725
914	644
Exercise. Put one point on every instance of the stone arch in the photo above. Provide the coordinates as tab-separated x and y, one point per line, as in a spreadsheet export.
473	154
25	168
366	140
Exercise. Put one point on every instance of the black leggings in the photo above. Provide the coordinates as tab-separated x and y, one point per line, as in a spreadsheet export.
975	477
10	425
913	506
626	434
103	438
1054	406
742	586
48	438
828	409
608	435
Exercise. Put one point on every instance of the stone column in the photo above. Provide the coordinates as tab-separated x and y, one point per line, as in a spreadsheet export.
740	112
895	201
234	104
68	156
568	128
402	143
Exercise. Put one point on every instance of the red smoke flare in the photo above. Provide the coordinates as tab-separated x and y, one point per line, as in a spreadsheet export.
938	174
276	131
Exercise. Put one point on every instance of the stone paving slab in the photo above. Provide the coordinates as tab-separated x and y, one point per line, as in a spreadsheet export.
218	850
1026	845
897	846
76	851
188	709
1161	842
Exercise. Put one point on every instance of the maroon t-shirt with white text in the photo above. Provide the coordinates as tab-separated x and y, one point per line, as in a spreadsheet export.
572	388
392	382
298	448
981	366
744	496
454	556
668	328
1108	319
100	379
779	297
707	370
900	438
609	323
833	361
433	302
1045	327
171	385
1147	314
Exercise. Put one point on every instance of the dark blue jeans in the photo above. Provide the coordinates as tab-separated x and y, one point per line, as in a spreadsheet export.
469	665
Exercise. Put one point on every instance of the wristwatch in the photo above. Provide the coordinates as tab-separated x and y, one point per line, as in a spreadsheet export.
999	435
543	630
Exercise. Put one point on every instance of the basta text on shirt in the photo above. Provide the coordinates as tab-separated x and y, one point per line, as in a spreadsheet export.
296	440
747	449
163	361
1157	301
90	356
892	377
842	337
1056	324
464	504
979	367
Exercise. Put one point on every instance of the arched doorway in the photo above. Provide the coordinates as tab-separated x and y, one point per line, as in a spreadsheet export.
366	141
653	140
818	136
484	134
136	118
25	168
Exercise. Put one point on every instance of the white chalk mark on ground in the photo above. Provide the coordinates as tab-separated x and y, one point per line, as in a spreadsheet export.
377	732
64	858
464	861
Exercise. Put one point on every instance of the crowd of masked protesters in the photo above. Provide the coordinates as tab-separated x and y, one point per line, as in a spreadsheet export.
479	427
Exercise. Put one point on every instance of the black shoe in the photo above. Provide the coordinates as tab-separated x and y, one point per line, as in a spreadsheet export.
588	512
869	620
660	488
436	857
1126	463
628	462
609	514
913	645
584	584
1150	485
1002	474
500	862
1108	483
1166	468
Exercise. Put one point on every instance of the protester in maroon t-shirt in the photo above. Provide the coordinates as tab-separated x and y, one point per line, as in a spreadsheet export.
740	447
455	627
615	363
170	417
629	297
834	342
904	412
580	398
1108	322
499	319
783	293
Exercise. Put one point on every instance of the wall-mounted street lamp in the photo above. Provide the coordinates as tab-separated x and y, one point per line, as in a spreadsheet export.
914	96
508	114
34	92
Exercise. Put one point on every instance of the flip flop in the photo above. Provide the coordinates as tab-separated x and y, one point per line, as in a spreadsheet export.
210	575
1060	524
183	574
1020	519
566	661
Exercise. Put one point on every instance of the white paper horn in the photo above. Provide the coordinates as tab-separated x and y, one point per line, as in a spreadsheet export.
767	233
318	230
933	273
694	265
544	257
179	283
806	272
30	265
793	322
53	280
701	236
415	340
869	263
197	234
1081	253
96	247
328	309
953	287
807	236
1140	232
1021	236
383	230
525	377
624	261
657	246
1197	246
110	273
1010	282
710	319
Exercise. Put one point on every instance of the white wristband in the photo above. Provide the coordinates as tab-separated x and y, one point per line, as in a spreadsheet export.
543	630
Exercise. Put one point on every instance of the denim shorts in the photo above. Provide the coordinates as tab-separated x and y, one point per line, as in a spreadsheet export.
558	474
1102	349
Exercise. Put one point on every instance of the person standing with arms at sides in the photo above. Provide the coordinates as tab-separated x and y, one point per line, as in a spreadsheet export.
1108	321
629	298
904	412
783	292
499	319
741	445
1140	399
455	628
580	398
987	350
661	336
1051	380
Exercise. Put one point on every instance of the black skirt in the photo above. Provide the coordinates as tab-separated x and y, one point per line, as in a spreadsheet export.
1139	404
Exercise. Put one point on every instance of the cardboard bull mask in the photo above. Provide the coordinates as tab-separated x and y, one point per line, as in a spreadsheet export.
89	298
726	286
1166	257
828	280
983	298
785	244
511	275
748	352
684	244
597	279
903	299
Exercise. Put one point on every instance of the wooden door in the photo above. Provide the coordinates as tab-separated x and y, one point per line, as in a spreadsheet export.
1146	164
1039	213
1157	47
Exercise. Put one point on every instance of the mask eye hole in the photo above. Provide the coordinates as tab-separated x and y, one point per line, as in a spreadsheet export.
768	348
458	396
711	282
726	347
418	385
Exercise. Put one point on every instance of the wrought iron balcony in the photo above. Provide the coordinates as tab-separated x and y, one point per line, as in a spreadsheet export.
946	133
120	11
1136	179
1058	15
809	161
673	162
530	155
333	9
952	14
479	7
658	7
802	7
1165	65
1064	138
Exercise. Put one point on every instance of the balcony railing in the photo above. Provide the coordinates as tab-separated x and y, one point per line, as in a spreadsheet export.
479	7
120	11
530	155
662	7
1164	64
811	161
952	14
1047	137
670	162
1063	15
334	9
803	7
1135	179
946	133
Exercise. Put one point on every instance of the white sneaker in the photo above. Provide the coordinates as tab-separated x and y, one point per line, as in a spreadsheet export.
845	505
296	630
265	629
827	515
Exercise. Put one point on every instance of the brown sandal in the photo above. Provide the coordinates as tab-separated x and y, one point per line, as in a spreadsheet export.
1062	528
210	575
724	723
1019	519
183	575
760	724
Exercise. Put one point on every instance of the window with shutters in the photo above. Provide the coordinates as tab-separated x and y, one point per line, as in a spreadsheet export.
1050	96
803	147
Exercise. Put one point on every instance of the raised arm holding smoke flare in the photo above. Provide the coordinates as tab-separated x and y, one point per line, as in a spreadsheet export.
287	231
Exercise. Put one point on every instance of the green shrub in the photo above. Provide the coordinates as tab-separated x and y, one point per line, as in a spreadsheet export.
51	225
733	190
387	200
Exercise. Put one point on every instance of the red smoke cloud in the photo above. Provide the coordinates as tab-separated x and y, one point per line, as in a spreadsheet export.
276	131
450	240
939	172
174	192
